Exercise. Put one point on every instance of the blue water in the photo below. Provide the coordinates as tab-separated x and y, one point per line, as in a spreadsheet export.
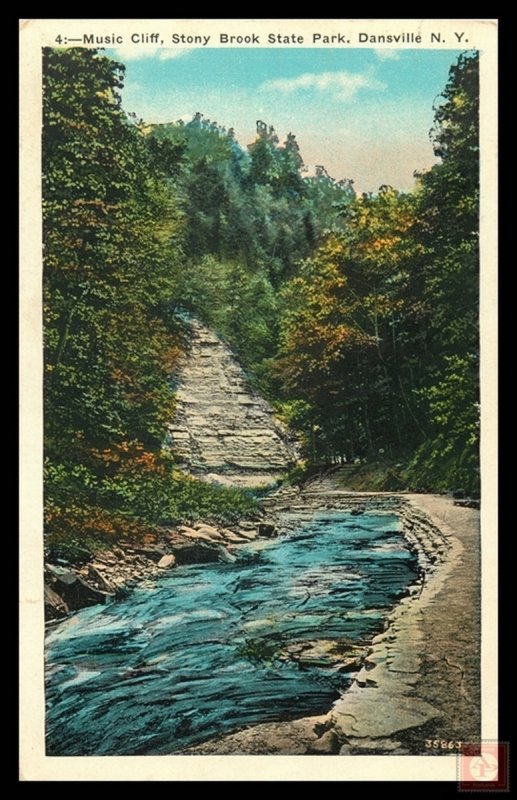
195	654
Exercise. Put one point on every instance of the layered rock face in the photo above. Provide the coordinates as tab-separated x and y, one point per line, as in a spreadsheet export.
221	428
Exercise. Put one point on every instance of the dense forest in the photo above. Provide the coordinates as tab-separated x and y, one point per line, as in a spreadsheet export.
355	315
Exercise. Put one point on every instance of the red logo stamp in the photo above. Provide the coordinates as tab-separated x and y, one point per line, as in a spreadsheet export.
483	767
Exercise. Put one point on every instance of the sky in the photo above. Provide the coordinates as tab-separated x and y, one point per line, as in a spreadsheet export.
364	114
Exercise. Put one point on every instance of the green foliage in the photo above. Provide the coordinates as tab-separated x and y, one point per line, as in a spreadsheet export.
108	345
379	328
88	509
450	458
113	237
236	301
356	316
349	333
375	476
176	498
449	231
250	217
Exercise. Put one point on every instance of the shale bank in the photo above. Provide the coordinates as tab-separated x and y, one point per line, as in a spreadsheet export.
222	430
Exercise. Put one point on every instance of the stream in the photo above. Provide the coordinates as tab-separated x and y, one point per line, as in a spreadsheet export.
201	651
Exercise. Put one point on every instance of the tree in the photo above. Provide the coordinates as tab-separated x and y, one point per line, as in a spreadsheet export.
379	329
108	225
347	329
449	232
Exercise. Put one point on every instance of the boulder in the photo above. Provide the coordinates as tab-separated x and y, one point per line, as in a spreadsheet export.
249	535
212	477
230	536
195	552
225	556
350	663
154	553
166	562
372	714
98	578
267	529
75	592
186	530
200	536
326	745
55	606
210	531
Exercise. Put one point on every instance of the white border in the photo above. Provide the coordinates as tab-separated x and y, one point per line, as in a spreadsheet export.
34	34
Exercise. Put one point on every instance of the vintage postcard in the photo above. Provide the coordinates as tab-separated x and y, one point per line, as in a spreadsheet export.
258	400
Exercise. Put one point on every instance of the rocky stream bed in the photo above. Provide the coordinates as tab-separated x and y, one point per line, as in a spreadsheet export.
411	677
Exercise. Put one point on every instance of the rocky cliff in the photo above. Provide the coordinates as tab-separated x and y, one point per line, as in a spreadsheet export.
221	428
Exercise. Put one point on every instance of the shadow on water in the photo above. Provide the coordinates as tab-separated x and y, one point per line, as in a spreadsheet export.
207	650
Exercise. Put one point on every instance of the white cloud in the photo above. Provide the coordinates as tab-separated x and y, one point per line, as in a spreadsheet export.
164	54
167	53
342	85
387	55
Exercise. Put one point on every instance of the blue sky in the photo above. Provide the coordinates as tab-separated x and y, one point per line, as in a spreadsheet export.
364	114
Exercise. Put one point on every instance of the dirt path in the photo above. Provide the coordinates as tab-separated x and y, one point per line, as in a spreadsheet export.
420	681
451	627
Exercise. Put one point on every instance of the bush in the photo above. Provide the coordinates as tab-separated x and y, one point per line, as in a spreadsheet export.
88	510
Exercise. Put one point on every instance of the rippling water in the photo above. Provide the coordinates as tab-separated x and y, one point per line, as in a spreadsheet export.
195	653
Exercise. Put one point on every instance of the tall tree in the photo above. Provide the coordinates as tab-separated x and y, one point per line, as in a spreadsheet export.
449	232
379	329
108	222
347	330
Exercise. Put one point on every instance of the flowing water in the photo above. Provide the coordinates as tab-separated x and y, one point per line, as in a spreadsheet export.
196	653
